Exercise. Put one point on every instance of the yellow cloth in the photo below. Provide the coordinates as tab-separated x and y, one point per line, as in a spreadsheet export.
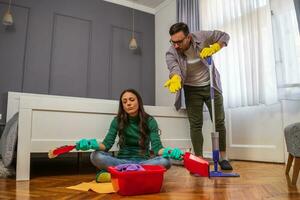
173	84
102	188
208	51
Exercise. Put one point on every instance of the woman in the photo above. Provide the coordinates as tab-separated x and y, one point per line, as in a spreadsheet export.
136	130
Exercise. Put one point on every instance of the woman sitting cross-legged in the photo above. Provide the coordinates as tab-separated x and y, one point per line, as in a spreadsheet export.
136	130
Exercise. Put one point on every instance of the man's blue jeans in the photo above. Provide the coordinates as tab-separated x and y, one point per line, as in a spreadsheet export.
102	160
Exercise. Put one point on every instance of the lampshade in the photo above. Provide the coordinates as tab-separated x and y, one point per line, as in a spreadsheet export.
132	44
7	18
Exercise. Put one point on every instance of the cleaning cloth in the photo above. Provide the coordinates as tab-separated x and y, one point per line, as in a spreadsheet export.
129	167
102	188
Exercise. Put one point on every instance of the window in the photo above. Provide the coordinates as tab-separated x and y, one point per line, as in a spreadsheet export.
287	48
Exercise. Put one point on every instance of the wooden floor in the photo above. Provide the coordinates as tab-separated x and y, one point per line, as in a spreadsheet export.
257	181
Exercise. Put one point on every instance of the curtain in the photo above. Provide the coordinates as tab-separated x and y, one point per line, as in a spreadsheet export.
247	64
297	9
287	47
188	12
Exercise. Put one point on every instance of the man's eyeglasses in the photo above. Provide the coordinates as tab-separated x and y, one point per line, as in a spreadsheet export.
179	43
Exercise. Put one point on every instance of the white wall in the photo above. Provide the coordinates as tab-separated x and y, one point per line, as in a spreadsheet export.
164	18
290	112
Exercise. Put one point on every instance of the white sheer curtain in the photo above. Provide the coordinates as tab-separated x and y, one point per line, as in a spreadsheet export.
247	64
287	48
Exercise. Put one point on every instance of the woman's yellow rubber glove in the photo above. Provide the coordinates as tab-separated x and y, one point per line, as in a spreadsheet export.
208	51
173	84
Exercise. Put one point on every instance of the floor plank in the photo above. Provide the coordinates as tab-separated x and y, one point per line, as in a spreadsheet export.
49	180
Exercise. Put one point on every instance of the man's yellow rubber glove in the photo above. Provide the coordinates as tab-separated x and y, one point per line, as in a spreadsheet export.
173	84
208	51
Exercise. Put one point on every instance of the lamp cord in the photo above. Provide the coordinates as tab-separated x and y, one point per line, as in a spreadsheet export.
9	4
132	23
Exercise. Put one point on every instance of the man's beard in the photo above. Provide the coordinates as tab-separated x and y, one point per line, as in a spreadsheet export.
181	50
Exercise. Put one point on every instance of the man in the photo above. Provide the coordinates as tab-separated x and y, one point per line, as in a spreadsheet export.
189	69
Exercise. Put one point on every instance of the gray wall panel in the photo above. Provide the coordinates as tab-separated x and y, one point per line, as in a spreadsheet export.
12	53
148	60
38	51
126	64
70	53
76	48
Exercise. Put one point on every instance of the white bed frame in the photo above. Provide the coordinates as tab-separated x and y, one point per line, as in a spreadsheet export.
48	121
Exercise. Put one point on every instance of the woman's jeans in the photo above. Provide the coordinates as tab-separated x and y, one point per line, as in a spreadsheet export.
102	160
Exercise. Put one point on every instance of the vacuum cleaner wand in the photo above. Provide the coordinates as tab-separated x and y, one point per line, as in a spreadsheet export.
214	134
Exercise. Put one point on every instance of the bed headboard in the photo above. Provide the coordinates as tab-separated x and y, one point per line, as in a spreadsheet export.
47	121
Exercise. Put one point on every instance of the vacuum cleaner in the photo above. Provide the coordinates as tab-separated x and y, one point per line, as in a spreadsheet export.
214	134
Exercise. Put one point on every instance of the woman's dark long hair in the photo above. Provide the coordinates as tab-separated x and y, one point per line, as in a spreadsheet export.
123	120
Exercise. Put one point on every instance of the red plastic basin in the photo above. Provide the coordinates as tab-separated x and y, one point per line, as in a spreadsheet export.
137	182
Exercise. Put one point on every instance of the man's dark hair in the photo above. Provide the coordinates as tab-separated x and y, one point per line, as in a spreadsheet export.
180	26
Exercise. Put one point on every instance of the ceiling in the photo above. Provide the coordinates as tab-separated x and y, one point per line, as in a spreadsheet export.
148	3
150	6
